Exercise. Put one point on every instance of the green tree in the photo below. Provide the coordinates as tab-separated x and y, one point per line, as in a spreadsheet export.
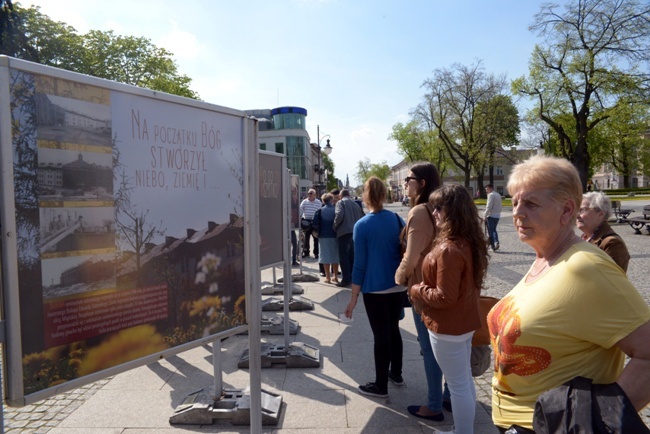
12	40
450	108
366	169
132	60
416	141
496	128
594	58
619	141
328	165
126	59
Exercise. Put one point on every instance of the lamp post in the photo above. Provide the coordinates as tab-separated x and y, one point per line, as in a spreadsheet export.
327	150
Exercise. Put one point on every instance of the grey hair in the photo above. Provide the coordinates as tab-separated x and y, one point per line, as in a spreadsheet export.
600	201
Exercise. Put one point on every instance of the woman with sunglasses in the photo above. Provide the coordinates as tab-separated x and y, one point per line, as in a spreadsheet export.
417	236
448	296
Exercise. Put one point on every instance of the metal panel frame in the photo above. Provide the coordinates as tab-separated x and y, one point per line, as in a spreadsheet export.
14	387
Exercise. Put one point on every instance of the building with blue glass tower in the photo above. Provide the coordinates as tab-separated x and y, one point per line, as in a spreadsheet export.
284	130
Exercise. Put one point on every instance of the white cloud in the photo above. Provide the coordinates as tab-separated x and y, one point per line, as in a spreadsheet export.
183	44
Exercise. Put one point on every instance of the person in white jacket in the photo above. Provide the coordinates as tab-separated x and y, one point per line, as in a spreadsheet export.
492	215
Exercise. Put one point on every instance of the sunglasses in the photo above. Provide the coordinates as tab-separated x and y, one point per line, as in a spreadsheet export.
411	178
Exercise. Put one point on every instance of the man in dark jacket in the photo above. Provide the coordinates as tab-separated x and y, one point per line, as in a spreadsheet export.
347	214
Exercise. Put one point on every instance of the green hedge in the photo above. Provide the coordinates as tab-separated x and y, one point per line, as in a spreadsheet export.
626	191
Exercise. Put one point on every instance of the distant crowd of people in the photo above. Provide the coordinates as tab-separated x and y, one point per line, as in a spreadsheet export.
327	224
564	330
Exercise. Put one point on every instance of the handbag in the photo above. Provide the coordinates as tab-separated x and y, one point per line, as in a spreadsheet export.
482	335
480	358
315	223
305	224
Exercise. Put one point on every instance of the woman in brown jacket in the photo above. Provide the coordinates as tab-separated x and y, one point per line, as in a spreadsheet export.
595	210
418	236
448	296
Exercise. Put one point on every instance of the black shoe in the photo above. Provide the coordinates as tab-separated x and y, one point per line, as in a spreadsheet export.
446	405
343	284
371	389
305	255
397	380
414	409
322	274
496	247
295	263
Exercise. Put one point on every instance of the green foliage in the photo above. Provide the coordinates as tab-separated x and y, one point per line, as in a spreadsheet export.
126	59
620	142
328	165
366	169
417	142
593	60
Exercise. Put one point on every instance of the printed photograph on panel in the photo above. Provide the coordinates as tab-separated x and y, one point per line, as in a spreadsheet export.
75	231
73	275
74	174
68	120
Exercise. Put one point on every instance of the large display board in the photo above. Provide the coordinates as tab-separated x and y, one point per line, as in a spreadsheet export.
272	200
124	215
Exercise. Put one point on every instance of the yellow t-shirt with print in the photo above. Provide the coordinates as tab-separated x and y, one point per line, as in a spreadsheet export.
563	325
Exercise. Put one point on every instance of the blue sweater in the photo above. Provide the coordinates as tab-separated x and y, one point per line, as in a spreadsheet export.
376	251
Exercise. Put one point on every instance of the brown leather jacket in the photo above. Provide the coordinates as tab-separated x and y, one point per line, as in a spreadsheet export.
448	297
612	244
418	236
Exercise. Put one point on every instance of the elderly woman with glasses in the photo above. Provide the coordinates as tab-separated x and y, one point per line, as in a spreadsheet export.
595	210
574	315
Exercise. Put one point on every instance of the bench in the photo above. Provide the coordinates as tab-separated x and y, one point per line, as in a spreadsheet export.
639	223
620	213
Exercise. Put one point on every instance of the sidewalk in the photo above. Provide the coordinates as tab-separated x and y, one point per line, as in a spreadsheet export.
315	400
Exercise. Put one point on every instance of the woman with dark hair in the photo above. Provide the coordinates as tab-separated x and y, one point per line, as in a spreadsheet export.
376	257
417	236
448	297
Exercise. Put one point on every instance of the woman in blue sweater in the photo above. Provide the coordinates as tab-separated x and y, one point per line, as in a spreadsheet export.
376	258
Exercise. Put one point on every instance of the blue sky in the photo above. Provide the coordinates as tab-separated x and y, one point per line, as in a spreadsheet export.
356	65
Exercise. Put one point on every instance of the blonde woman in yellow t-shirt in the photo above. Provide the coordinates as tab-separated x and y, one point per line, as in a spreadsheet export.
573	314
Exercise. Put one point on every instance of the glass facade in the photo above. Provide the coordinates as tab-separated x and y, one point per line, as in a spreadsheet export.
289	118
296	153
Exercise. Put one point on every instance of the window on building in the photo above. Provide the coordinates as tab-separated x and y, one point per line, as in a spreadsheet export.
263	146
279	148
499	170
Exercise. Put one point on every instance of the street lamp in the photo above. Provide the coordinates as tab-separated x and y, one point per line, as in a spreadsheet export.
326	150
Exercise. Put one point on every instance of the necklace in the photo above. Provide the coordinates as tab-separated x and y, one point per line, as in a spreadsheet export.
552	258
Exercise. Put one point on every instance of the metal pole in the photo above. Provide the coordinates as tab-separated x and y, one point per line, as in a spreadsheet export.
319	163
287	261
216	366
